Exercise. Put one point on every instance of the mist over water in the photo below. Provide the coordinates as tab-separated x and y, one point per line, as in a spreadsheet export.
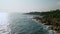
16	23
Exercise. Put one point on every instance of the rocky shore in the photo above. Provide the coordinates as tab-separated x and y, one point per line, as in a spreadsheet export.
50	18
53	23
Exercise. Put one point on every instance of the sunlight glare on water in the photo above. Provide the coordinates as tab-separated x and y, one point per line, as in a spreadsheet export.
4	23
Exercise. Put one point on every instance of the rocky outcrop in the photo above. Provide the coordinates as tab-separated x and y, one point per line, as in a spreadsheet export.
54	23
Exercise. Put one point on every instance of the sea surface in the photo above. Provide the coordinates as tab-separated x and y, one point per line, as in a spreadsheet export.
16	23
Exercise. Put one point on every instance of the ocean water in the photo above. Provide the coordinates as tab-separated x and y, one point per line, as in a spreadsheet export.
16	23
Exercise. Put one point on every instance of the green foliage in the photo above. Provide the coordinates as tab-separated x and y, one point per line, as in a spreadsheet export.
52	14
48	14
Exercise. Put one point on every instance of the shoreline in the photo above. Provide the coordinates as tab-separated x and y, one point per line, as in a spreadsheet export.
48	26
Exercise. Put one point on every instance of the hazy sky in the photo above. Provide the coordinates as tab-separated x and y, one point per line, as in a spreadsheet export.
28	5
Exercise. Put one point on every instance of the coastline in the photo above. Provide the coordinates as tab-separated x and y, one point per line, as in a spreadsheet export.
49	18
51	31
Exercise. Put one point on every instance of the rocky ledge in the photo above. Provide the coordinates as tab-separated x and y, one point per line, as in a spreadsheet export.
54	23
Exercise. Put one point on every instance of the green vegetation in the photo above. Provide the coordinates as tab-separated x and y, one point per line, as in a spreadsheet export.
51	17
52	14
